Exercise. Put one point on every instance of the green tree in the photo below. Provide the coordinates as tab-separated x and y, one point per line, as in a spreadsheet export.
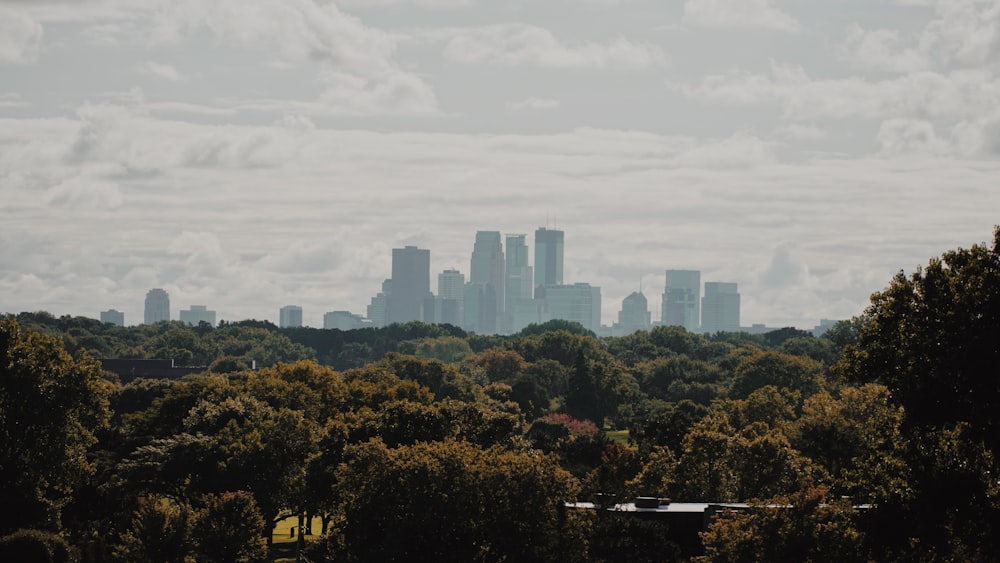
804	527
229	528
931	338
160	532
451	501
50	408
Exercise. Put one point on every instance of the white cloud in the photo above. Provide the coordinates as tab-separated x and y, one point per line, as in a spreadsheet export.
910	137
533	103
800	132
427	4
160	70
741	150
954	95
82	193
880	49
738	14
359	70
520	44
20	37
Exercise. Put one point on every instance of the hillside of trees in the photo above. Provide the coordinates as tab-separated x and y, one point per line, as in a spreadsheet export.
875	442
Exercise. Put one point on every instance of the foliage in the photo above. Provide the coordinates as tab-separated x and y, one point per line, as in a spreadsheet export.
449	501
35	546
229	528
802	527
50	408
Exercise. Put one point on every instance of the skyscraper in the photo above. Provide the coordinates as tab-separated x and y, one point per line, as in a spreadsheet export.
580	302
411	283
488	264
451	294
378	309
634	315
196	315
518	283
114	317
157	306
720	308
548	259
681	299
290	316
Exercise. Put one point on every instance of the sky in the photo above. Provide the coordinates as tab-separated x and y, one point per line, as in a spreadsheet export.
251	154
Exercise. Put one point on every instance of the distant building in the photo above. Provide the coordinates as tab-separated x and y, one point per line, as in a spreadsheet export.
720	308
451	295
378	309
633	317
518	282
130	369
823	326
290	316
411	283
479	308
157	306
548	259
196	315
114	317
681	300
342	320
487	265
579	302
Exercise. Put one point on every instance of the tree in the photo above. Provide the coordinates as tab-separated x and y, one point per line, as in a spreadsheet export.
229	529
50	408
802	527
451	501
160	532
931	338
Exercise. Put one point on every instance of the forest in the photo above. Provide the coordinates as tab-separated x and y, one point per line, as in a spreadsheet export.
877	441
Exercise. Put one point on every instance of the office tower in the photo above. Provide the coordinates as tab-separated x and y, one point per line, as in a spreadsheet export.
451	294
411	283
634	315
518	283
157	306
579	303
196	315
479	308
548	259
720	308
681	300
114	317
342	320
290	316
378	309
488	264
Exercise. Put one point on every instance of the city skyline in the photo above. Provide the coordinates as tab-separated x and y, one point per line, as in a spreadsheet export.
243	153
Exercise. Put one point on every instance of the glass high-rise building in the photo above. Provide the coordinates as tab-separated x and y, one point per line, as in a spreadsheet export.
682	300
548	259
197	314
634	315
113	316
411	284
488	264
157	306
720	308
290	316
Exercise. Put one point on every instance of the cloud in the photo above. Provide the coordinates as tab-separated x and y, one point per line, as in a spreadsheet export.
738	14
880	49
358	67
905	137
160	70
82	193
20	37
527	45
800	132
740	150
533	103
426	4
953	95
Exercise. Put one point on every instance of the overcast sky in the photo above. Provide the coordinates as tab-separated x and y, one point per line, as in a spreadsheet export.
249	154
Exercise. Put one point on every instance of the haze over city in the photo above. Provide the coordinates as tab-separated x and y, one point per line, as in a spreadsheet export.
248	155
